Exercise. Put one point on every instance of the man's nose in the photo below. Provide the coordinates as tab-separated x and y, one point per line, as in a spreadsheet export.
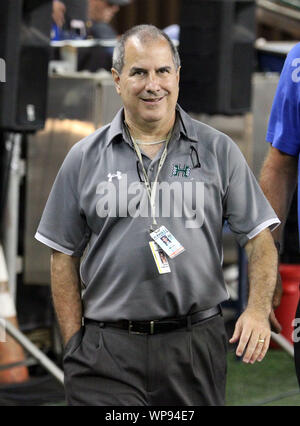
152	83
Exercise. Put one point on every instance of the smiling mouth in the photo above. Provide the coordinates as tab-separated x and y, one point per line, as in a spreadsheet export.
153	100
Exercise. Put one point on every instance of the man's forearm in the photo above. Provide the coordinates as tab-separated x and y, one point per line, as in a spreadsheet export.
278	181
66	293
262	270
253	326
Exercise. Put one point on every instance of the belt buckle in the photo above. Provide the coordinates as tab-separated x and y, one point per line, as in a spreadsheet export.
141	332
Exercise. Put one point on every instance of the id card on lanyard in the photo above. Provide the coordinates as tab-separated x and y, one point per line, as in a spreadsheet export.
162	237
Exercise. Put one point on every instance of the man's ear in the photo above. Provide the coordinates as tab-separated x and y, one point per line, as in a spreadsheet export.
178	73
116	78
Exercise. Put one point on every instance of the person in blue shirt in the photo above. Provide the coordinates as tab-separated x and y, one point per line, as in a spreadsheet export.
280	171
69	17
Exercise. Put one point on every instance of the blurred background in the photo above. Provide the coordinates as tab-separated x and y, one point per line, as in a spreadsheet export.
56	88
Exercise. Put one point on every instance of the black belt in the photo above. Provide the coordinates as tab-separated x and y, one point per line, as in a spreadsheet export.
159	326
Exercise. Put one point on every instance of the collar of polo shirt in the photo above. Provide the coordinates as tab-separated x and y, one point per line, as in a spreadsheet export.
186	126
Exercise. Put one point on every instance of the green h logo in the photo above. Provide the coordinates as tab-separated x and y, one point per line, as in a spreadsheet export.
183	171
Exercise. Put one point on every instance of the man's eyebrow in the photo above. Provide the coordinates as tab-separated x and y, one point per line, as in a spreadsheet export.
139	69
166	67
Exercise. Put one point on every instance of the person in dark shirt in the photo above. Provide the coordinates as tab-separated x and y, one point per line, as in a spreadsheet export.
100	14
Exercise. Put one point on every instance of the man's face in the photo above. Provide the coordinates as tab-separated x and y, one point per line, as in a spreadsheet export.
148	83
102	11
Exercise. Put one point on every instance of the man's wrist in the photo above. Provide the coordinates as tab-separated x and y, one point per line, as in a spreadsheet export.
70	332
256	309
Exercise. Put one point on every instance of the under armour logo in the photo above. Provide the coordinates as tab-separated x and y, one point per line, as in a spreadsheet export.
117	175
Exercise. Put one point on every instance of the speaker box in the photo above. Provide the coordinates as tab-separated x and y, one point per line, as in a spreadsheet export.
24	51
217	54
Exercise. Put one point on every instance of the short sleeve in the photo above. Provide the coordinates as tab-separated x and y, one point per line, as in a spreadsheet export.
63	226
246	208
284	123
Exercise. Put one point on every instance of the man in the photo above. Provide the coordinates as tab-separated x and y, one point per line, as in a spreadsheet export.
101	13
58	13
69	17
151	337
279	172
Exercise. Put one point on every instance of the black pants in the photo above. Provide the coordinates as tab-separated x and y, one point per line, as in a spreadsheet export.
297	344
109	366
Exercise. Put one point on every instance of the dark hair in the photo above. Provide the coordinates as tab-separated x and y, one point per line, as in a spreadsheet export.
144	33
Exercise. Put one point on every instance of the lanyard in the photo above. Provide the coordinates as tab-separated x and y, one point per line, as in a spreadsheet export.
151	192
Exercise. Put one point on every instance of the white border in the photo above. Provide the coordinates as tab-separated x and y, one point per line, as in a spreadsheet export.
262	226
52	244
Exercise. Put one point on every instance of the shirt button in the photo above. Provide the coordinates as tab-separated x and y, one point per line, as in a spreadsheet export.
151	169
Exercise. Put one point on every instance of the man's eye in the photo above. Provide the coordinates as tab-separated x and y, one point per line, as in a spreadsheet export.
138	72
164	70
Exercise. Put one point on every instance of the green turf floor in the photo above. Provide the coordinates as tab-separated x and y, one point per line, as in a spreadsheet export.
271	382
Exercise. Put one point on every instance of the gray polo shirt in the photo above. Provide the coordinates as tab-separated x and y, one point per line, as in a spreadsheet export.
99	207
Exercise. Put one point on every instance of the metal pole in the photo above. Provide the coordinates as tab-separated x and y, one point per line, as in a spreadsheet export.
35	352
284	343
11	240
11	234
